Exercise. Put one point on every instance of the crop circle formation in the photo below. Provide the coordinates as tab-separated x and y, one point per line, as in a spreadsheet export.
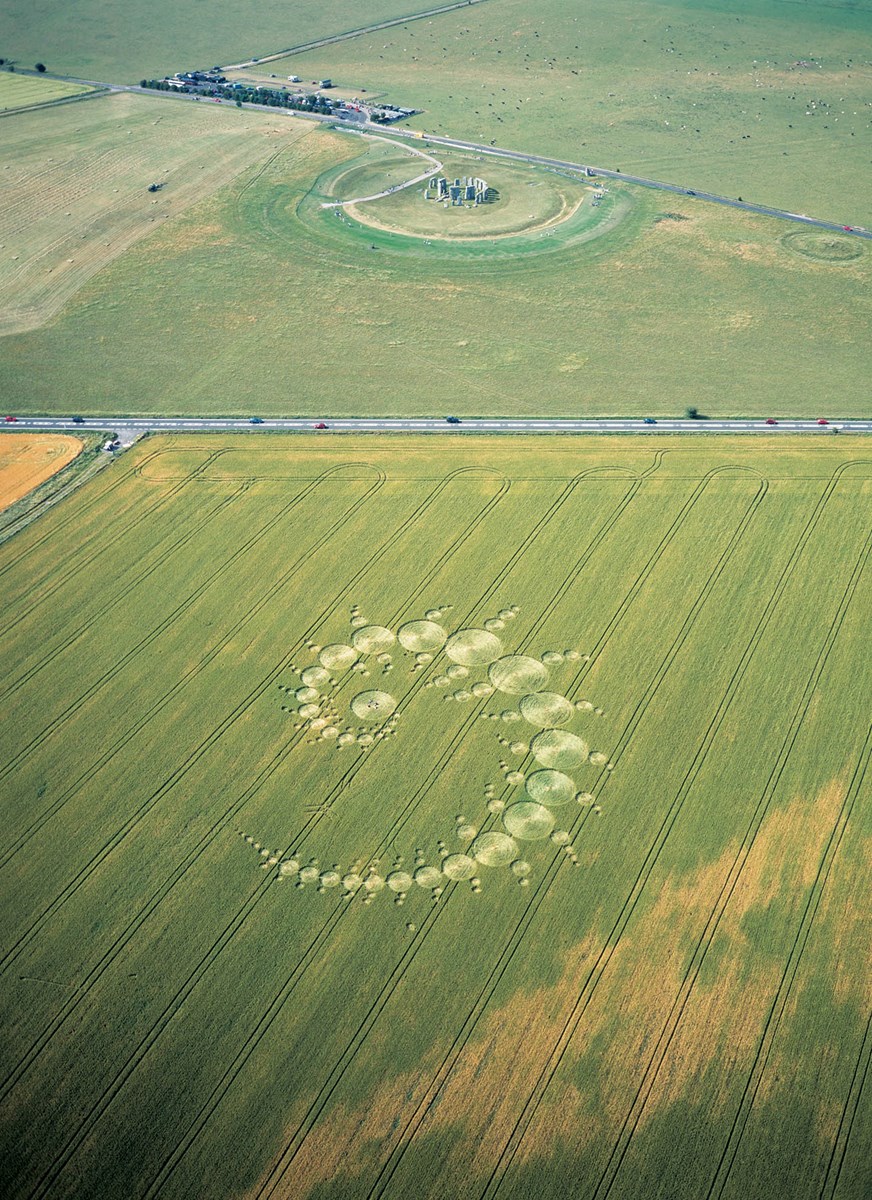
557	748
546	709
516	674
473	647
373	705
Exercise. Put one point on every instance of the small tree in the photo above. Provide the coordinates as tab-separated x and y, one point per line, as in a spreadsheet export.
691	412
41	68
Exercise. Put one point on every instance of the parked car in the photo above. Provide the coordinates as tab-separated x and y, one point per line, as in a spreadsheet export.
822	421
771	421
255	420
649	421
453	420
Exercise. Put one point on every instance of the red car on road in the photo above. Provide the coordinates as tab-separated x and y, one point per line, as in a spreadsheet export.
822	421
771	421
321	425
10	418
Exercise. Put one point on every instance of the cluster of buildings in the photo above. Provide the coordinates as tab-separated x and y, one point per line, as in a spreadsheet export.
213	83
458	192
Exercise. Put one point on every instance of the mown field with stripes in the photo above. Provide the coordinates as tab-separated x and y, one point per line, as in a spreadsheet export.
440	816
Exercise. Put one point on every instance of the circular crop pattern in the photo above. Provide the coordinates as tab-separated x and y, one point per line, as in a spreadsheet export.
551	788
528	821
372	639
517	674
315	677
428	877
422	636
557	748
337	657
459	866
373	706
823	247
546	708
473	647
306	695
494	849
399	881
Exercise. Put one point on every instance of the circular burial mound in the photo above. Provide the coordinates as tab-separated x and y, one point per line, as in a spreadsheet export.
823	247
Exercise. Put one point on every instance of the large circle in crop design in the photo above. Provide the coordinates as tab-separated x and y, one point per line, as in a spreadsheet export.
494	849
337	657
551	788
528	821
517	674
373	706
422	637
372	639
546	709
557	748
473	647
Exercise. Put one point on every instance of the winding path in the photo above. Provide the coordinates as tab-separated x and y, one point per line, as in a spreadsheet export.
397	187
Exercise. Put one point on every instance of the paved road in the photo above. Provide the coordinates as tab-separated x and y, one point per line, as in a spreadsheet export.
130	428
846	226
677	188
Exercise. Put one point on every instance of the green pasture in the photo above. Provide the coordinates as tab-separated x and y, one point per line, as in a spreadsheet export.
76	185
95	40
765	101
440	816
258	300
22	91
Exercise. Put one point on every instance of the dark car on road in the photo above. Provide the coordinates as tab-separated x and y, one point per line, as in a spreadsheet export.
78	420
649	421
255	420
453	420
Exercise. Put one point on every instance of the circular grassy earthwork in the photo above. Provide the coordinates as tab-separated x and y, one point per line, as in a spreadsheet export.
533	209
823	247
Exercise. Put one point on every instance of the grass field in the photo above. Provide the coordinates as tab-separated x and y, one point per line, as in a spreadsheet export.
440	817
76	187
21	91
96	41
258	300
29	459
761	100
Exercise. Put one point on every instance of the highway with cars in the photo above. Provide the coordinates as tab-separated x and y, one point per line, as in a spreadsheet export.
128	429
